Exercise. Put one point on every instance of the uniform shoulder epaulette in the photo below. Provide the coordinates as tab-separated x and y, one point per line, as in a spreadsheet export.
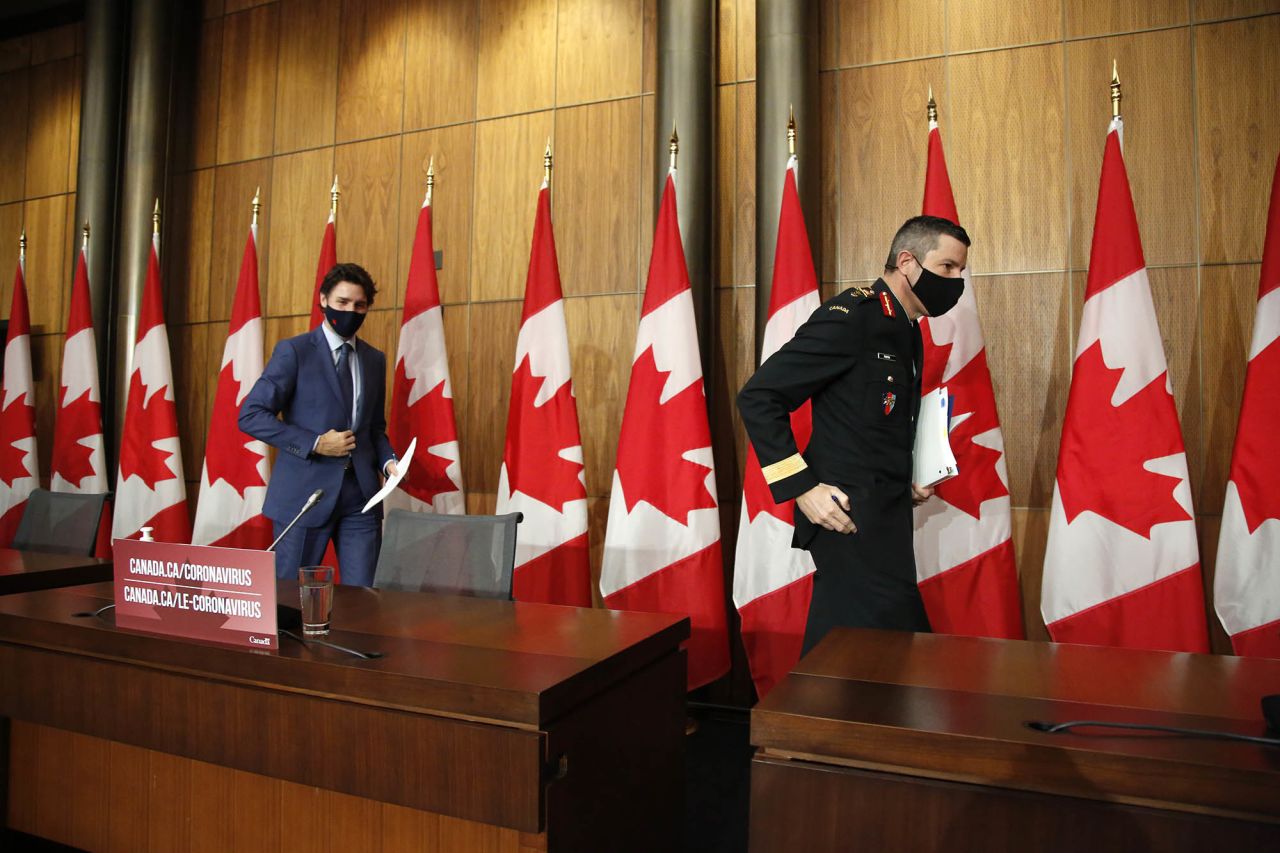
858	292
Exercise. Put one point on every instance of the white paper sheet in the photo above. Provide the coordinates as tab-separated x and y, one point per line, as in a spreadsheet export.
402	468
933	459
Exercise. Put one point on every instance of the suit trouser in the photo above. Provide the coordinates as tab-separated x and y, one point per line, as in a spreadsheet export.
356	537
866	579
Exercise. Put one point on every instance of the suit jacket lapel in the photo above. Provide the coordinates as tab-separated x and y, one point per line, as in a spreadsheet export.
326	360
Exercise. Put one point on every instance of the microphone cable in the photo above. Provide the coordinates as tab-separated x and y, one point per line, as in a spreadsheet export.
1060	728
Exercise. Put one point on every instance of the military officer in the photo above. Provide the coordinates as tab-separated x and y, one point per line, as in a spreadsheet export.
858	359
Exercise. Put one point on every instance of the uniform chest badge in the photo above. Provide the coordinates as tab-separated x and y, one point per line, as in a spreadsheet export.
886	304
890	400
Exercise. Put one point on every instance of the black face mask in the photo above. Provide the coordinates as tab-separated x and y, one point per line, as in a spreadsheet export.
345	323
937	294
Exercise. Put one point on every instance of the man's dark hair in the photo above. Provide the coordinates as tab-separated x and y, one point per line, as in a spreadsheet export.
353	273
919	236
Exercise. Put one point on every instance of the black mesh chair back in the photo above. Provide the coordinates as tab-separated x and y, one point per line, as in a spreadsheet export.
60	523
471	555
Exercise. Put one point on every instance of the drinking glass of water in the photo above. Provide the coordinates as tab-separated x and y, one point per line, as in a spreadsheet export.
315	585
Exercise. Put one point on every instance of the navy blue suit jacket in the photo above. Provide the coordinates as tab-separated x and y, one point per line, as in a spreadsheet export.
300	385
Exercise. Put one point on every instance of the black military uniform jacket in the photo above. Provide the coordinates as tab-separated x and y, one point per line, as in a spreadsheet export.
857	359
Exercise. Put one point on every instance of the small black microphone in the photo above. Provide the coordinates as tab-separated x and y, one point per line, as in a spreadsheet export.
311	501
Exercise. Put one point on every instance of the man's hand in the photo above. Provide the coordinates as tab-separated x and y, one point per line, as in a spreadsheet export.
920	494
334	443
827	507
392	469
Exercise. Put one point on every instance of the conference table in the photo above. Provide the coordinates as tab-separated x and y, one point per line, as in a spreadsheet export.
472	724
23	571
887	740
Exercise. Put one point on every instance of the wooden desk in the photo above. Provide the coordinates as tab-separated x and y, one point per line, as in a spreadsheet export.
884	740
24	571
485	725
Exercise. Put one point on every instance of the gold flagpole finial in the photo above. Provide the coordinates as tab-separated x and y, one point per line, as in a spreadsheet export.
334	192
932	107
546	162
257	204
674	146
1115	90
84	231
431	177
22	244
791	131
155	218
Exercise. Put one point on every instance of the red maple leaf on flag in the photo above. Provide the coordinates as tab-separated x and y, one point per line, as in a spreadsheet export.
655	436
227	456
978	480
427	420
144	424
15	424
1113	483
537	469
79	419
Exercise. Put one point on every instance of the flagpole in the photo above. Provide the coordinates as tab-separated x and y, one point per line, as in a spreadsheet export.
257	206
334	192
84	242
673	146
546	164
431	180
791	132
22	247
931	108
1115	90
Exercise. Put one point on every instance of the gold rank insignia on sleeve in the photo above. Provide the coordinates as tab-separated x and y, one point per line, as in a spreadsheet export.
790	466
862	292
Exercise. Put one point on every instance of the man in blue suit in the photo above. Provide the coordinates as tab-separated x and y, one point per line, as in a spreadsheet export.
319	402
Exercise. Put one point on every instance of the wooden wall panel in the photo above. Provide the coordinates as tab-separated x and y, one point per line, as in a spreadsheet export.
1155	72
409	830
370	206
1239	134
188	241
648	196
1030	535
15	53
55	43
1029	352
517	62
983	24
295	223
13	135
1212	10
726	183
52	103
86	821
884	30
598	45
371	69
307	89
596	179
46	375
169	827
296	801
1013	203
649	47
441	44
483	413
602	335
882	173
744	228
194	379
1102	17
230	6
1229	301
247	93
234	187
206	91
508	173
130	803
276	329
827	241
46	221
746	40
727	41
72	240
451	213
73	133
733	360
354	823
11	220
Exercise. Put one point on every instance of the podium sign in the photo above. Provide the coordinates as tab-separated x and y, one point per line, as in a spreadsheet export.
222	595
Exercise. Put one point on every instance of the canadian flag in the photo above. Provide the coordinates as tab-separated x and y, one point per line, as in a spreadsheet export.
773	582
328	257
79	462
150	490
422	395
542	472
233	483
19	471
1246	585
662	544
964	537
1122	567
